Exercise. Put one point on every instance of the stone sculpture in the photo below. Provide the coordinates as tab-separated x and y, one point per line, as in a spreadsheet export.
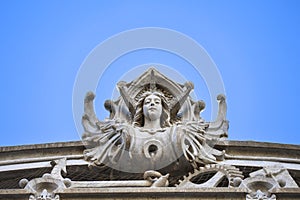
46	187
151	125
263	182
155	129
231	173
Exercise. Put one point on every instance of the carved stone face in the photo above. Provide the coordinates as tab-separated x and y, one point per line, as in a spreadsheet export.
152	107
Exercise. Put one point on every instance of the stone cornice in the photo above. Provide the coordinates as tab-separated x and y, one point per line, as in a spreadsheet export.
248	150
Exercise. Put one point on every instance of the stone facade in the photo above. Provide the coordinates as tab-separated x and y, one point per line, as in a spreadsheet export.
154	144
253	159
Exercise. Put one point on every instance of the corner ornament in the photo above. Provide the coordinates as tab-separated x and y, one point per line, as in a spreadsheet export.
151	125
261	183
47	187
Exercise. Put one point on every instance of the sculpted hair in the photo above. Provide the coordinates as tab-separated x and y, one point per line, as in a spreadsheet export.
138	119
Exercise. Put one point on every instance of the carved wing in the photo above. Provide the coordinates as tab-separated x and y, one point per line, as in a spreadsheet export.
219	128
198	137
197	146
107	140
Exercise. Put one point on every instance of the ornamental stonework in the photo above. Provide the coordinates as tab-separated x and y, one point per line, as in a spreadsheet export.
152	125
154	143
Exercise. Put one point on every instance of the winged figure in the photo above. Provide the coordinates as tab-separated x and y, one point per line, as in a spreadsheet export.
153	123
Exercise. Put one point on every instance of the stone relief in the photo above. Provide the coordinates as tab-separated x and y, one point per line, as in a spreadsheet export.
233	175
259	195
151	125
46	187
261	183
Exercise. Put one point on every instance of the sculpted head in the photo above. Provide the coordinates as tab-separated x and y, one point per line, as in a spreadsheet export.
152	108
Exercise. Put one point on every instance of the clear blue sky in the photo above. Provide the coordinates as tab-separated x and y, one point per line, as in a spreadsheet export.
255	45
